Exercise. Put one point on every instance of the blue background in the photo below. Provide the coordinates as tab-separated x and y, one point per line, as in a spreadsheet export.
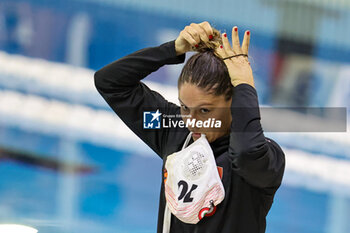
121	194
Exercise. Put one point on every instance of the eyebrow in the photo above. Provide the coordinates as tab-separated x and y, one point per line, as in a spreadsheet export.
196	106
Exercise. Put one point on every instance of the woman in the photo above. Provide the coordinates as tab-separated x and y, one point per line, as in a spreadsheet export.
216	79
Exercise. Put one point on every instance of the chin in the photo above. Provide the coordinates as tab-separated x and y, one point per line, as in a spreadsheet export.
209	137
213	136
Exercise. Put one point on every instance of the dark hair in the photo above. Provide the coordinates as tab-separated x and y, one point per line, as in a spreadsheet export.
206	70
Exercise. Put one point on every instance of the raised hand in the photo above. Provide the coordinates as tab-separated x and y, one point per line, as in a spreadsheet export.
191	36
236	58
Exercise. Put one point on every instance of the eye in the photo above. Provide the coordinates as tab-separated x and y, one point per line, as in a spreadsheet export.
204	110
184	108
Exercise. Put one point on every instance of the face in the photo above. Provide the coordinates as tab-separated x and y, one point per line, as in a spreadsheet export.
196	103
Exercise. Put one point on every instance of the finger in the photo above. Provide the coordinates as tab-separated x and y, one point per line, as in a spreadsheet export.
235	41
201	32
221	52
227	45
189	38
193	33
246	41
207	28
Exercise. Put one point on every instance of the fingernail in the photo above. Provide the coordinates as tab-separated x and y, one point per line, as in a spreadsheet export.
211	37
196	46
236	29
225	35
248	33
221	47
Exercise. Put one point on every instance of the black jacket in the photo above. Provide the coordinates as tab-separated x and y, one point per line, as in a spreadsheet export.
253	165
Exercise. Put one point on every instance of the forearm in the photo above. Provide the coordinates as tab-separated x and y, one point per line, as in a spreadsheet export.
119	84
129	70
256	159
246	131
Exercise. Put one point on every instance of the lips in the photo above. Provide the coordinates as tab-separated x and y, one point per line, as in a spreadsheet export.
196	135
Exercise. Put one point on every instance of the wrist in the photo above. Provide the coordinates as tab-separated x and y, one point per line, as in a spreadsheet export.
178	48
235	83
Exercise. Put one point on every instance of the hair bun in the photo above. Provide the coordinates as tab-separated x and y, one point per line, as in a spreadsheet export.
212	44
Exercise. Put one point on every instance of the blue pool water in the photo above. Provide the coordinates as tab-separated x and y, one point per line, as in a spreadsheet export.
121	195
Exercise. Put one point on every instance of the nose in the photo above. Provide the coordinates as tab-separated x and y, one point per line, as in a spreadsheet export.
193	116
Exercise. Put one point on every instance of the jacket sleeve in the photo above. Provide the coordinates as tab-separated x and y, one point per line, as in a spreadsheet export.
259	160
120	85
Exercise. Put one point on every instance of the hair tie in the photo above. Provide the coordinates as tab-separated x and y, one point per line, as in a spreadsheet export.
237	55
